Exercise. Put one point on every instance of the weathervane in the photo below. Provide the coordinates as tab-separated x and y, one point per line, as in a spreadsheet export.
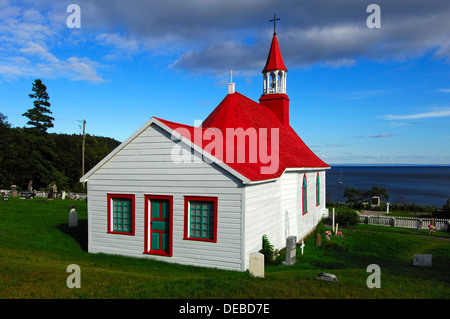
274	20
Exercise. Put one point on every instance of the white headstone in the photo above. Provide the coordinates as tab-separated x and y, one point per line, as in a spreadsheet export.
256	265
422	260
73	217
63	195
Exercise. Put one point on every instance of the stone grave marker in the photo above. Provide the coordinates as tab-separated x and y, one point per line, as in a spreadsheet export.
327	277
73	217
291	250
318	240
256	265
422	260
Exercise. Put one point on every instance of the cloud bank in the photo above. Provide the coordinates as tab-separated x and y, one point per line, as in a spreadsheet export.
214	36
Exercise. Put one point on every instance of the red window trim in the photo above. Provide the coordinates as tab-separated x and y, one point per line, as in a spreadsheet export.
109	197
147	249
304	198
186	217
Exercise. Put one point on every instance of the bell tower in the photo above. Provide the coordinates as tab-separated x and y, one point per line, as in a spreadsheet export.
274	81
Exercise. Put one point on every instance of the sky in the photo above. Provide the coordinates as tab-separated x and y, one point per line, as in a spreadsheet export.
358	94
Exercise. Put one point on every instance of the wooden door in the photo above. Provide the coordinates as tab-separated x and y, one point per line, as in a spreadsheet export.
159	225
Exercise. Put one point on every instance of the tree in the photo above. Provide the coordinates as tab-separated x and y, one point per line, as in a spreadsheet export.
38	118
6	152
378	191
354	196
4	122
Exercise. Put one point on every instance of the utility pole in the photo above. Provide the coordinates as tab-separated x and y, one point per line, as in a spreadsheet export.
82	149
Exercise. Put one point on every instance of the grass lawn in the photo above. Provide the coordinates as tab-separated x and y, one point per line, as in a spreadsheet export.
36	246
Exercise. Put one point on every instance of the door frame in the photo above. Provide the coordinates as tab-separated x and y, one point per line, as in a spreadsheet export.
147	220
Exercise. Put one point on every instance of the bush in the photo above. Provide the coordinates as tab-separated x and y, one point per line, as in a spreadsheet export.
267	250
347	218
443	212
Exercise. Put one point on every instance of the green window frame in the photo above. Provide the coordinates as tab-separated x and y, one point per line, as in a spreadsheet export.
317	190
304	196
201	218
121	214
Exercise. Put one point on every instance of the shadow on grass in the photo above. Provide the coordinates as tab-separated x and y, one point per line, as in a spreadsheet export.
79	233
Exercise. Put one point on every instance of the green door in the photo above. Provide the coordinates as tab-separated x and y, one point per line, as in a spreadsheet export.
160	227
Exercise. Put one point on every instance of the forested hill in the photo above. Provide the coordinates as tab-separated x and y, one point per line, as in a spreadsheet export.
48	158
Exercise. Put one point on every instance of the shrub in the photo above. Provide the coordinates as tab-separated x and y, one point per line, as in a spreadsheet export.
267	250
347	218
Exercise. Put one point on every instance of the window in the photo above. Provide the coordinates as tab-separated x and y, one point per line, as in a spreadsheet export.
317	190
200	218
121	214
304	196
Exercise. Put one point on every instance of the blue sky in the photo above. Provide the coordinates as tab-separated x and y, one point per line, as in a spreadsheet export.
358	94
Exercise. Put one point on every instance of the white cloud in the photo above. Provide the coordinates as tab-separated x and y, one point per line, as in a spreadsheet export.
84	69
29	40
381	135
433	114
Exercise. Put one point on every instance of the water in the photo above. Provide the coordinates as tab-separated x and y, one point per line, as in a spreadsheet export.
422	185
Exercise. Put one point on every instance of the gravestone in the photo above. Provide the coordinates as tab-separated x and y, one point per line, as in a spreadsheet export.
327	277
318	240
422	260
13	191
63	195
26	194
5	198
256	265
291	250
375	201
73	217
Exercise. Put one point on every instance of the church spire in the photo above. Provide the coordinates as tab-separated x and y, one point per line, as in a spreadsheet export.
274	79
274	71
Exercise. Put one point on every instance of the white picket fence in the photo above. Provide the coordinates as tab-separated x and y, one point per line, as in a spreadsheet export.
407	222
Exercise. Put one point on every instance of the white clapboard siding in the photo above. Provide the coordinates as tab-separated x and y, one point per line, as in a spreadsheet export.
274	209
144	166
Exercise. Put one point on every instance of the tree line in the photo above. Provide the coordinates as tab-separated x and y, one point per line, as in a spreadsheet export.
30	153
360	199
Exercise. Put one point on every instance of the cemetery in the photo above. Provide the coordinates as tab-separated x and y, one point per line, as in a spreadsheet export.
40	238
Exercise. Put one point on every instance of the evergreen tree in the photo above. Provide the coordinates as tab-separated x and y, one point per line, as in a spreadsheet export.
38	118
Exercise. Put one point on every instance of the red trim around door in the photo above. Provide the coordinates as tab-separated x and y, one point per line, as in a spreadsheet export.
148	219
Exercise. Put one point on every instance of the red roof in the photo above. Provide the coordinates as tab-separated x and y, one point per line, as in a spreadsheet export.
237	111
274	60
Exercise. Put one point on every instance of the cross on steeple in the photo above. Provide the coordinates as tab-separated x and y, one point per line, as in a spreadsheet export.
231	86
231	74
274	20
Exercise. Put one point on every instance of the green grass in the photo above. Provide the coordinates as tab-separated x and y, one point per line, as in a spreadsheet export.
36	246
